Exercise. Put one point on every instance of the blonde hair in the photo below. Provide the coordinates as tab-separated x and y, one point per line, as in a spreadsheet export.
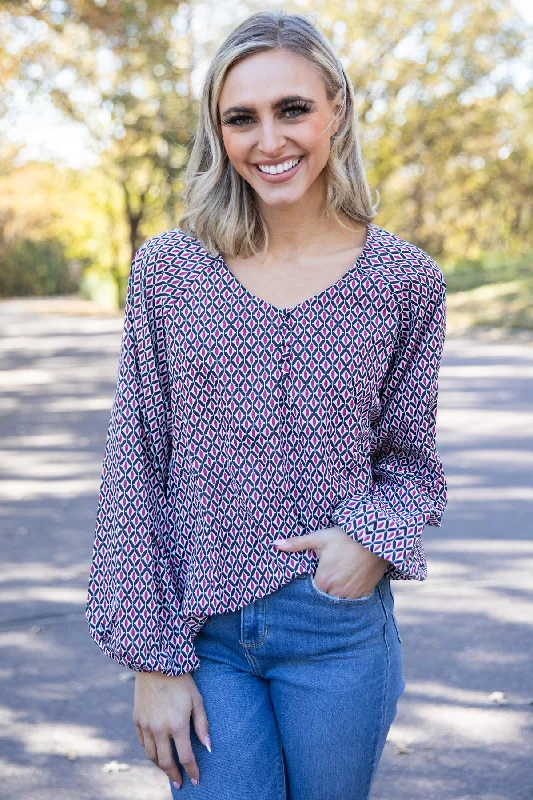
220	206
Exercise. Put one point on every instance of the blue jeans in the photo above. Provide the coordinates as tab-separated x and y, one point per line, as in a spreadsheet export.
300	688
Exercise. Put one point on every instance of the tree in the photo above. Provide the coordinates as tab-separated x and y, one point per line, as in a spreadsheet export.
122	69
445	128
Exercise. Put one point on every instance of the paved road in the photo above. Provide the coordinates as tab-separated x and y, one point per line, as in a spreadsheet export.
467	630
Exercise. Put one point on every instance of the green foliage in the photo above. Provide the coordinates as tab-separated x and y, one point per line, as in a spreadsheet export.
35	268
465	274
100	287
446	129
505	304
445	118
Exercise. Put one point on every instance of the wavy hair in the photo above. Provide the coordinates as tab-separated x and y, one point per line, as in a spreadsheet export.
220	207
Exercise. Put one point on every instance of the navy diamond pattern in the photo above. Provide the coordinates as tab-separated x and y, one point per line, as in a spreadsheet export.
235	423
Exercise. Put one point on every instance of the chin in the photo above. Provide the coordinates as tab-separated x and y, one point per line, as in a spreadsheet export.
279	198
280	203
284	195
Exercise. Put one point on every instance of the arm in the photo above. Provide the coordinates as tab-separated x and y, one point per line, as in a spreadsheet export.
409	487
133	600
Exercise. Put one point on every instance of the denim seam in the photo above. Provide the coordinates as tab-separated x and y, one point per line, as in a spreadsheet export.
253	664
395	621
284	787
385	691
282	767
397	629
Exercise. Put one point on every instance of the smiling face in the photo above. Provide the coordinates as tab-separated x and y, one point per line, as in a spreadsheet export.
275	116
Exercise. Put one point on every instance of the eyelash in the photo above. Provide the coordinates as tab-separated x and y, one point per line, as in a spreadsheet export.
301	106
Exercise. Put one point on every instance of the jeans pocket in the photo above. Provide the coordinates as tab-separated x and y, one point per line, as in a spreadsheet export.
333	598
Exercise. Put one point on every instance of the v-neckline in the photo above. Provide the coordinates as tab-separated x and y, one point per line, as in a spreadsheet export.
232	279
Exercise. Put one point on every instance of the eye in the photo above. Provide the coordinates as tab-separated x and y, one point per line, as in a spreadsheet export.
293	111
235	120
298	109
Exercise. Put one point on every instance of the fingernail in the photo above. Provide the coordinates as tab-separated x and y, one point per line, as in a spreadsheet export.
194	781
176	784
208	743
278	542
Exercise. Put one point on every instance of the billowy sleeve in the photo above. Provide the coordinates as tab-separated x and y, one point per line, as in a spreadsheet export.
132	606
409	487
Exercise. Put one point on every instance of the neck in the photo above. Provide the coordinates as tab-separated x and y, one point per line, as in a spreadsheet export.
300	227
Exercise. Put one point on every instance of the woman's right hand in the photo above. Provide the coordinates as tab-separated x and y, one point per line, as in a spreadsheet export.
162	708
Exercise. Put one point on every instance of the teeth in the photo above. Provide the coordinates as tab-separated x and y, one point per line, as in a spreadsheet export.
280	167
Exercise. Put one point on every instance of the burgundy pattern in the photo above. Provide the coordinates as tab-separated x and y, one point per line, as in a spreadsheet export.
235	422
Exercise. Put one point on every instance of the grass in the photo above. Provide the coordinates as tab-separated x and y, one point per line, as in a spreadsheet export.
494	292
502	305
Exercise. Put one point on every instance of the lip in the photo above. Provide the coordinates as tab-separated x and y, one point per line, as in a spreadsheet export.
280	177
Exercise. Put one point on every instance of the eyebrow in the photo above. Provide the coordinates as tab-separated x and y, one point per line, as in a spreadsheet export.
290	98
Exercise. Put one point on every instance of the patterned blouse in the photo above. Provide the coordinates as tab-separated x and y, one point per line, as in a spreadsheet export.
235	423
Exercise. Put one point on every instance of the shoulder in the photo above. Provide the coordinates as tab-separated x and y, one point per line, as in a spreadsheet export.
406	264
169	261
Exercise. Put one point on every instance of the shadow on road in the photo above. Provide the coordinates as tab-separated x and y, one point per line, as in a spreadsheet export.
466	630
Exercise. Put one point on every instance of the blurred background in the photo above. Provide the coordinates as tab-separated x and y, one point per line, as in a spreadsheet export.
98	107
98	100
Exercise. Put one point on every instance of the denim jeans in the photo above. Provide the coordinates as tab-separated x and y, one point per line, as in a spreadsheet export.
300	688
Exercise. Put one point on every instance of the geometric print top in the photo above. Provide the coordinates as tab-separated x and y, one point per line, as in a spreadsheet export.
235	422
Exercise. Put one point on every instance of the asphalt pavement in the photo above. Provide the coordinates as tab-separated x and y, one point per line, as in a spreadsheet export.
464	727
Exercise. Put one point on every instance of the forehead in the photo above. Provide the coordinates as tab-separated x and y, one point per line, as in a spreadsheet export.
262	77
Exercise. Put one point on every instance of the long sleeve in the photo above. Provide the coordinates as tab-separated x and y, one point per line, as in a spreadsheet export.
408	488
133	603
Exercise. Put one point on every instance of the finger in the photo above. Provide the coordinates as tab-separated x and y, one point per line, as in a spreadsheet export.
296	543
150	748
200	721
140	735
165	757
182	740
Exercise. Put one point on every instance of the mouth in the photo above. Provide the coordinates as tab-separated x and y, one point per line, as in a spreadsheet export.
279	177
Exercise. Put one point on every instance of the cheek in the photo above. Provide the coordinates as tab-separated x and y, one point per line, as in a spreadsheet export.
316	143
235	148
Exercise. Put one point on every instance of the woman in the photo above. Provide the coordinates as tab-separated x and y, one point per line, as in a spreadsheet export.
270	460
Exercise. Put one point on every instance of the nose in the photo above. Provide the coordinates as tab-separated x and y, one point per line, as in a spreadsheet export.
272	139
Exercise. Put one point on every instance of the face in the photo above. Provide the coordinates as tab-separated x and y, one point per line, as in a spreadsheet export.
274	111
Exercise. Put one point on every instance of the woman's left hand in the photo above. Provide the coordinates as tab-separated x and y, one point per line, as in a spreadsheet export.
346	568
